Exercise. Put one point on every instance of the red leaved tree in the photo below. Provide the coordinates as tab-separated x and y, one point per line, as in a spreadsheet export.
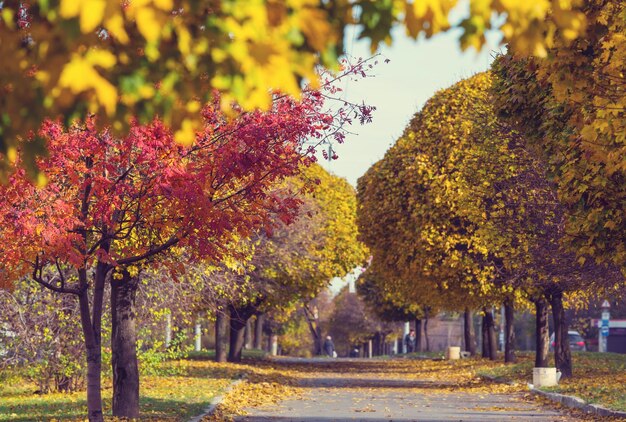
113	203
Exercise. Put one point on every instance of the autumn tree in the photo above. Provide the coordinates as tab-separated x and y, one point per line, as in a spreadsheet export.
570	108
294	263
41	330
422	247
503	188
163	58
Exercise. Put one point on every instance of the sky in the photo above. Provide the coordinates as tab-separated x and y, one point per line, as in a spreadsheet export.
398	89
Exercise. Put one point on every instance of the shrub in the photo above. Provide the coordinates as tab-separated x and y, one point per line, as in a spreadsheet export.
41	334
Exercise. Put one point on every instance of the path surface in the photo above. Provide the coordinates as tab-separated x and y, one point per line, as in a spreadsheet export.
366	390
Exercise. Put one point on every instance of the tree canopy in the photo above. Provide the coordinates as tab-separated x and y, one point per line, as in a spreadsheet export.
293	264
141	59
570	108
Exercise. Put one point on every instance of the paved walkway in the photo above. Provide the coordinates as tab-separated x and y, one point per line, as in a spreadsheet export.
358	392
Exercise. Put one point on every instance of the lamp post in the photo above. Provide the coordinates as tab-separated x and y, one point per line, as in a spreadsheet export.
604	327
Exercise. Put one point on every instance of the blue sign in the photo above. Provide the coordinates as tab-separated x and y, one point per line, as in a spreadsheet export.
604	331
605	323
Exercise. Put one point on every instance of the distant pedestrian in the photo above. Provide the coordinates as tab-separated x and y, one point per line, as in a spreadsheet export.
355	352
409	341
329	346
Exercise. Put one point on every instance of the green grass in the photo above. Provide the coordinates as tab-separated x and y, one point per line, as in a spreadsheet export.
210	354
175	397
429	355
414	355
599	378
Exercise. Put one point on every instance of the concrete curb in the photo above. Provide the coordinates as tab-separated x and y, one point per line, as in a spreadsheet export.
217	400
578	403
569	401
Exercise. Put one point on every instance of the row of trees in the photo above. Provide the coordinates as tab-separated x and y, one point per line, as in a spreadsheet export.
506	188
345	317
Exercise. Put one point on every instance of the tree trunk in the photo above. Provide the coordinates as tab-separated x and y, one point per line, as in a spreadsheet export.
509	332
490	344
493	338
221	336
258	331
237	327
542	334
562	354
91	324
94	361
485	335
418	335
124	347
426	330
312	317
468	332
197	335
318	340
376	344
248	334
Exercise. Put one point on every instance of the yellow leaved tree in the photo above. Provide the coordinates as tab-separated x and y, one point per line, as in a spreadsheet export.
571	108
290	267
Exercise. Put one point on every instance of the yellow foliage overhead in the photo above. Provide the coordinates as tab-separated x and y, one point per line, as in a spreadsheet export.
144	58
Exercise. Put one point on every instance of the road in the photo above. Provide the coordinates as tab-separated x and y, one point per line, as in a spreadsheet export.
376	391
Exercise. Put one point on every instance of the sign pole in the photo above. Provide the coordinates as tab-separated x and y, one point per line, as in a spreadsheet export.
604	327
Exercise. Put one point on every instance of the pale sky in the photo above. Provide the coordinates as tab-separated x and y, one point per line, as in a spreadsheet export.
416	70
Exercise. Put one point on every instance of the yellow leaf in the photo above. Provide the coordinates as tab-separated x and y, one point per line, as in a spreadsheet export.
147	23
107	94
115	25
316	28
8	16
166	5
184	40
12	154
91	14
79	75
102	58
42	180
69	8
186	134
